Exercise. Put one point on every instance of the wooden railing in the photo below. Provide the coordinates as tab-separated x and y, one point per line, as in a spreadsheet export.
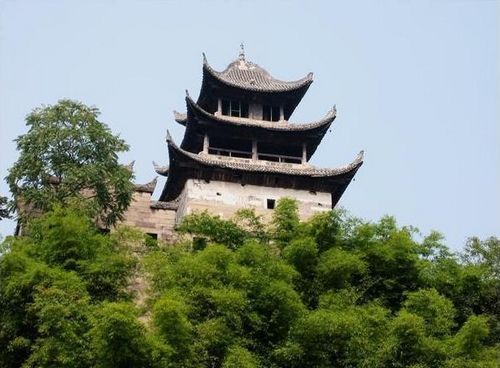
280	158
261	156
230	153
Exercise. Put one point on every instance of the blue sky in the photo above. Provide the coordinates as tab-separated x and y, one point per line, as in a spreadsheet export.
416	84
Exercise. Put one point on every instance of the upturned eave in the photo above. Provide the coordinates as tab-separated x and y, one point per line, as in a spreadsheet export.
185	165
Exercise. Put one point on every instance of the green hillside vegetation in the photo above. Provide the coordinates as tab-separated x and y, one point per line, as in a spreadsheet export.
334	291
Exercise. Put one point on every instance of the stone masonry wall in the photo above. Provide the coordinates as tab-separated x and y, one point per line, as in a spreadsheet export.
160	222
224	199
218	198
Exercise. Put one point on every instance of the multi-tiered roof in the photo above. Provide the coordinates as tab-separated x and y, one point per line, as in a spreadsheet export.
239	131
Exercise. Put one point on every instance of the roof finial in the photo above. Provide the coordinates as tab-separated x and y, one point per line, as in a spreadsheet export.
242	52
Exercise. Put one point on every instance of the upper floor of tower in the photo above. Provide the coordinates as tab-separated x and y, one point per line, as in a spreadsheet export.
246	90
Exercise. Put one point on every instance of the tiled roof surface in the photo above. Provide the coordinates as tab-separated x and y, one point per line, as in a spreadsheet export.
267	167
148	187
247	75
160	205
276	126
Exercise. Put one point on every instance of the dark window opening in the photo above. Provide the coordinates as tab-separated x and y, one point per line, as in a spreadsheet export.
153	236
280	153
218	194
230	147
270	113
270	204
235	108
313	192
273	158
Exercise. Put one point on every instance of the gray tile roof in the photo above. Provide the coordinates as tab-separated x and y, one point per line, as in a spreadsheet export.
160	205
269	125
267	167
147	188
250	76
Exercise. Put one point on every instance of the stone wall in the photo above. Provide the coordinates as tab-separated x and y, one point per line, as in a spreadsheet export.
159	222
218	198
224	199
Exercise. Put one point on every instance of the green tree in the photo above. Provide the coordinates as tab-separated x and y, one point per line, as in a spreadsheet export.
68	153
205	227
302	253
118	338
485	253
64	238
4	210
285	221
61	312
49	280
43	314
333	291
437	311
469	340
239	357
172	324
338	268
407	346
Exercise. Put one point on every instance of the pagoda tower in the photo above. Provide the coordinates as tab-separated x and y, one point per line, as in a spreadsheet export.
241	151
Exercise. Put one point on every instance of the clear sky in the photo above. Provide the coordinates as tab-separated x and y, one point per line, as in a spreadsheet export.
416	84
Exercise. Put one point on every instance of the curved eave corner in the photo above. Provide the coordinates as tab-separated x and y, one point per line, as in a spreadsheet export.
161	170
146	188
180	118
288	86
194	109
309	171
177	155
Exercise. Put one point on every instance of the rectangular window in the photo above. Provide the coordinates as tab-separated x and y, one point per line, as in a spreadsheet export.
271	203
279	153
153	236
223	146
270	113
238	109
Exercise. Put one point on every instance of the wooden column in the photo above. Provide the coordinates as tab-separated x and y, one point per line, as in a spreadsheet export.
254	150
282	113
206	143
304	153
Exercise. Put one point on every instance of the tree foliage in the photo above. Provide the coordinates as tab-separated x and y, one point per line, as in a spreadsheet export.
4	210
334	291
47	297
68	153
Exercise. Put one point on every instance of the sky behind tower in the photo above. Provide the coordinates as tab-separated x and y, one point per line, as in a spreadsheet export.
416	84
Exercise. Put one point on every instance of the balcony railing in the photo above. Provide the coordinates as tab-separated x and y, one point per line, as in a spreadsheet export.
261	156
280	158
229	153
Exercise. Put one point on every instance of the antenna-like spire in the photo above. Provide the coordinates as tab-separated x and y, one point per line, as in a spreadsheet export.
242	52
